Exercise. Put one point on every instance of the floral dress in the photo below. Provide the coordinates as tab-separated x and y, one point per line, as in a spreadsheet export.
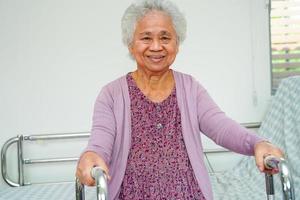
158	166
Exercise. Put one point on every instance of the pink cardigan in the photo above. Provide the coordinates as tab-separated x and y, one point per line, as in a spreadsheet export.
111	130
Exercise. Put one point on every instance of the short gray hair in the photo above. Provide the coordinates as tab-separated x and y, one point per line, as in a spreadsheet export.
140	8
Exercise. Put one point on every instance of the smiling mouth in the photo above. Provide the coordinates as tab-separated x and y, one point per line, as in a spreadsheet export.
156	58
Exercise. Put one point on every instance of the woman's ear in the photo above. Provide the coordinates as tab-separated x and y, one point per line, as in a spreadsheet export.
177	47
130	49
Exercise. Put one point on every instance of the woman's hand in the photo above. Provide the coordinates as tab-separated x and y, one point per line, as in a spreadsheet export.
263	149
87	161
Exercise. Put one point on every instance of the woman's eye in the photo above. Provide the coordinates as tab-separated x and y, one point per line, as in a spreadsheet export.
146	38
165	39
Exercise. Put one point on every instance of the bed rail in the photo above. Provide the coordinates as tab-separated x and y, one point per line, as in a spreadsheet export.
19	141
4	166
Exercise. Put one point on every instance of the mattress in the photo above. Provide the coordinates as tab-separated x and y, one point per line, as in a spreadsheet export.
54	191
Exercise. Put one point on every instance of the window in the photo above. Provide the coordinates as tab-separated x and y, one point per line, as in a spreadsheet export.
285	39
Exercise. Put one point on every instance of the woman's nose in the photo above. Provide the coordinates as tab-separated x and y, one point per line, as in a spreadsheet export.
156	45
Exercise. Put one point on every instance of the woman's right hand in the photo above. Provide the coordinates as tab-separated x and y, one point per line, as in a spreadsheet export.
86	163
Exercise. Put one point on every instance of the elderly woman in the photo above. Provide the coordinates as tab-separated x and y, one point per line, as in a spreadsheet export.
147	123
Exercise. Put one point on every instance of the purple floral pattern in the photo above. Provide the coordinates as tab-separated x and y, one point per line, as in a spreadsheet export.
158	166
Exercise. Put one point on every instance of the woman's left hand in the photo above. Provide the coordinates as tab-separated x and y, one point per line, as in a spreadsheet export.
263	149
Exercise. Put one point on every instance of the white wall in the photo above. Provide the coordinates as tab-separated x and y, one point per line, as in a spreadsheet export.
55	55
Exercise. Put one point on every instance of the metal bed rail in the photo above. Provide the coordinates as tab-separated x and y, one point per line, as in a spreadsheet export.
19	141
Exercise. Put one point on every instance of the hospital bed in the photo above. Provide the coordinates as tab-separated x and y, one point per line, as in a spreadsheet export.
242	182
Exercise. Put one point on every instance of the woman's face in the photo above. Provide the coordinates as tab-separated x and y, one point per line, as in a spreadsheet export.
154	45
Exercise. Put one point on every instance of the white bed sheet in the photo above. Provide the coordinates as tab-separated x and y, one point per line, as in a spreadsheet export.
54	191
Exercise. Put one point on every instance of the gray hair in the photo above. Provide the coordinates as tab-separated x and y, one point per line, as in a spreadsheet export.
140	8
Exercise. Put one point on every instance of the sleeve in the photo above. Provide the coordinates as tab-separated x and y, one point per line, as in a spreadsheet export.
221	129
103	126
